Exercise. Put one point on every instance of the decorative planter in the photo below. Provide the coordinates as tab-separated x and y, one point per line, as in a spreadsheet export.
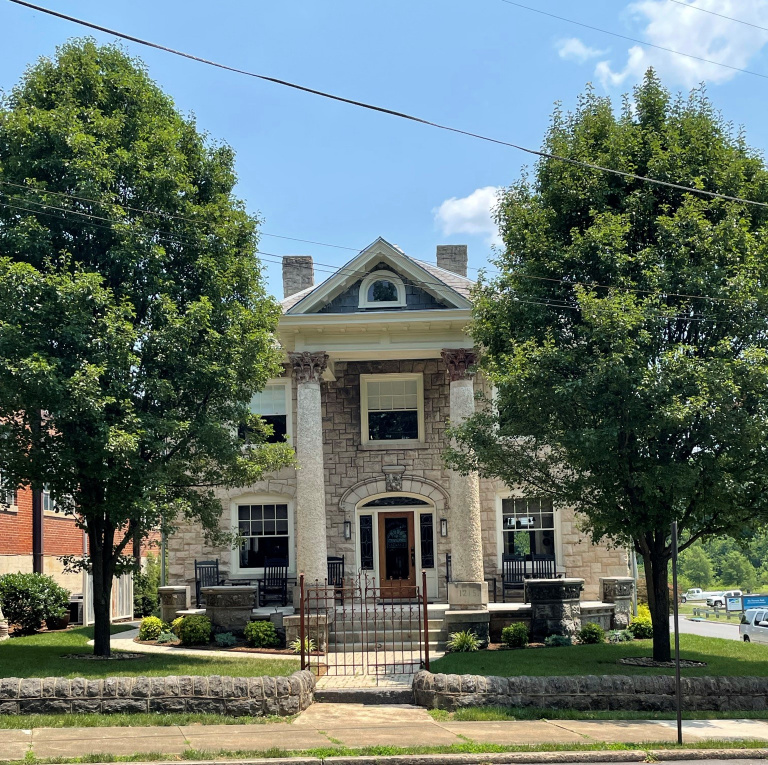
57	622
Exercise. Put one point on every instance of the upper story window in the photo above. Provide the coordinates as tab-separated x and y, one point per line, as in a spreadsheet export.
49	503
382	289
273	405
392	408
8	496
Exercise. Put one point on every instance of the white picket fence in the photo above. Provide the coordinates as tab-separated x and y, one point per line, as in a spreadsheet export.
122	598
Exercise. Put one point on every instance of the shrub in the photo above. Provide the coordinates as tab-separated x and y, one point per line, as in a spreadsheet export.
146	599
166	637
619	636
150	628
557	641
515	635
28	600
641	628
195	629
643	611
261	634
225	639
175	624
309	645
591	634
463	641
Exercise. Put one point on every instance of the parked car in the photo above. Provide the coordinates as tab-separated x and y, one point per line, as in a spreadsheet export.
720	600
754	626
695	593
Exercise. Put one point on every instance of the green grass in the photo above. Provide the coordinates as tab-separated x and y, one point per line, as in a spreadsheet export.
41	656
723	657
131	720
495	713
390	751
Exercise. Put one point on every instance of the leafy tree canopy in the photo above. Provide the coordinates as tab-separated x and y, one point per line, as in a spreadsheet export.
133	314
626	335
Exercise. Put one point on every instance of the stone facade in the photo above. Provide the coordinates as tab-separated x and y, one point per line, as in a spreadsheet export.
644	693
555	606
236	696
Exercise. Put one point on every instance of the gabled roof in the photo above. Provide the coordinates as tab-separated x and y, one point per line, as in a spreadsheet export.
449	288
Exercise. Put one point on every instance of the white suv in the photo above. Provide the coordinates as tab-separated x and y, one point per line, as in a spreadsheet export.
721	599
754	626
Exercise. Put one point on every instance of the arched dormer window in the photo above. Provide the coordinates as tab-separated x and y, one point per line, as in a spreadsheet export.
382	289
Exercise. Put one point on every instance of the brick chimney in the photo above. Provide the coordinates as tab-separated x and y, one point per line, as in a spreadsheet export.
453	257
298	274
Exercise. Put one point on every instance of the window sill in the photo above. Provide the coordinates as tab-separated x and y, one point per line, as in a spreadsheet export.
389	445
10	510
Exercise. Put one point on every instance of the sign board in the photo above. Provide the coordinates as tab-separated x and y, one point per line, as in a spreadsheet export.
755	601
733	604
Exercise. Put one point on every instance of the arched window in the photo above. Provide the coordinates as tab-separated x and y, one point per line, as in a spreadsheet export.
382	289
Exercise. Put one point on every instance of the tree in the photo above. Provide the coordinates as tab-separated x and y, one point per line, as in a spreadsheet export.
134	325
738	571
625	333
695	566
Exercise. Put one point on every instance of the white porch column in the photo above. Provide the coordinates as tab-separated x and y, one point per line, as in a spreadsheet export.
311	544
468	590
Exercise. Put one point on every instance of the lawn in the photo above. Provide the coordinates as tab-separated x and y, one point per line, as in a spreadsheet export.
42	656
723	657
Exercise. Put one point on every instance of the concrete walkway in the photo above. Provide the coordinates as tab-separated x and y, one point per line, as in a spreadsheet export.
355	725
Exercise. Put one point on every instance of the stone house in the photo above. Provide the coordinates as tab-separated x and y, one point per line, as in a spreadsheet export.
378	361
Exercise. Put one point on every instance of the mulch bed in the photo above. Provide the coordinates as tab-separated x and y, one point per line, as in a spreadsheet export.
502	647
111	657
243	648
647	661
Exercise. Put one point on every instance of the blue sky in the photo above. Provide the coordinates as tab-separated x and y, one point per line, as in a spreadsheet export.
324	171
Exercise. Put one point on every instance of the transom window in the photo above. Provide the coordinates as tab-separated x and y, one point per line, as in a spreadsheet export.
528	527
382	289
272	406
392	407
263	531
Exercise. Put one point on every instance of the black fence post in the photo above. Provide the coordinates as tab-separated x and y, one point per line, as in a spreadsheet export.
302	636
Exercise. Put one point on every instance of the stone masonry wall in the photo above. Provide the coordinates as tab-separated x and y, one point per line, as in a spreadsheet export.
236	696
644	693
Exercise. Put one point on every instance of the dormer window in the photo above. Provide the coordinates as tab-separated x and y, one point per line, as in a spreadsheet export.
382	289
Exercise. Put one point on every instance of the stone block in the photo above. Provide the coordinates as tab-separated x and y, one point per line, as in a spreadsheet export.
30	688
123	705
93	688
167	705
86	706
209	706
61	688
186	685
9	707
141	687
48	687
9	688
77	687
44	706
238	707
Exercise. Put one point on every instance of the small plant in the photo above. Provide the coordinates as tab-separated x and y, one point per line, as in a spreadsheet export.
27	600
195	629
643	611
225	639
261	634
619	636
167	637
641	628
463	641
591	634
150	628
309	645
515	635
176	624
557	641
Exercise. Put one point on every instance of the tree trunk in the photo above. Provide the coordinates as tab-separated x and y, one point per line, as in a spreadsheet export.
657	581
102	571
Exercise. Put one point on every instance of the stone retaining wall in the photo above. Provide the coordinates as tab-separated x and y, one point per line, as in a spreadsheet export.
235	696
643	693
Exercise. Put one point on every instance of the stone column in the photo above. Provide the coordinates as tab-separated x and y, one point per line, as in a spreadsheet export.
555	606
618	590
311	542
173	599
468	590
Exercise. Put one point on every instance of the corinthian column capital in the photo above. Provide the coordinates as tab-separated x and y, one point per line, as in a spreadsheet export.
458	361
308	366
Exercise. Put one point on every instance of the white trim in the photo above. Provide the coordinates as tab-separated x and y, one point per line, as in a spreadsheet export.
286	383
261	499
378	276
364	380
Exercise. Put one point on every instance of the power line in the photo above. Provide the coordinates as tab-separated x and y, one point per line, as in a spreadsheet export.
625	37
721	15
403	115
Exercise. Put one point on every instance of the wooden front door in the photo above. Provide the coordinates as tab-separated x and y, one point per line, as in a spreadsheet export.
397	554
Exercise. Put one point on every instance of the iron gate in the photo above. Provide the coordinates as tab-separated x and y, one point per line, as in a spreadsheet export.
356	627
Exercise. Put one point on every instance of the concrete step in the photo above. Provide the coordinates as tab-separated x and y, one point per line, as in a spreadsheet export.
388	636
371	696
381	625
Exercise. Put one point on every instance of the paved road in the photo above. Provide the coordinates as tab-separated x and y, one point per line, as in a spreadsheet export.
728	630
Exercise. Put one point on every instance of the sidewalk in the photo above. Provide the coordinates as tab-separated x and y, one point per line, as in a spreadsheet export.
354	725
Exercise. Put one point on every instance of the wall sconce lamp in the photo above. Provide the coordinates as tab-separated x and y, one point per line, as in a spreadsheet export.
443	527
347	529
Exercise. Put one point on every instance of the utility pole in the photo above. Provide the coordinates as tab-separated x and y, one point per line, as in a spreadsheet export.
38	561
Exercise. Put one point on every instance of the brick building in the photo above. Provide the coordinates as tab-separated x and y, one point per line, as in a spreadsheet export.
378	362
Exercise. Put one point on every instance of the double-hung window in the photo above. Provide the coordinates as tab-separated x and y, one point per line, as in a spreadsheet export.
263	532
272	405
8	496
392	408
527	527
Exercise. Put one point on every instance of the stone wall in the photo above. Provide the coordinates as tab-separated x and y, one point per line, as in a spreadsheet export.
609	692
237	696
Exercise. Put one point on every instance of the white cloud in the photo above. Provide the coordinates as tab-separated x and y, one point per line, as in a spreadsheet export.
574	49
472	214
678	28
